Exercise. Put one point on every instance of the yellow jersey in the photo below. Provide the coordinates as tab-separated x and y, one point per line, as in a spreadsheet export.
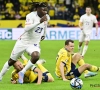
29	76
65	57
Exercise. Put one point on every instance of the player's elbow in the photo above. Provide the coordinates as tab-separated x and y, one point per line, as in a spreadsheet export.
96	24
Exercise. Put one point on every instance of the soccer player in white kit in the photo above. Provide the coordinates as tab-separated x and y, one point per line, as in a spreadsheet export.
86	24
35	31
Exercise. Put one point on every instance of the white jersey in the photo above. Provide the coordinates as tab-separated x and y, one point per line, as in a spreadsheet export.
29	40
88	22
34	29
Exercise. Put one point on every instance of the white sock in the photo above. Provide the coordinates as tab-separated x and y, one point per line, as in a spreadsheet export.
28	66
23	57
80	49
4	69
84	50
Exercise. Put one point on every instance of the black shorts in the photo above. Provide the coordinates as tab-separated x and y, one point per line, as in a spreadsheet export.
73	72
44	77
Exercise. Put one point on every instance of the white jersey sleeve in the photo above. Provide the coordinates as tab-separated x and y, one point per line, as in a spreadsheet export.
45	23
95	20
81	18
48	17
30	22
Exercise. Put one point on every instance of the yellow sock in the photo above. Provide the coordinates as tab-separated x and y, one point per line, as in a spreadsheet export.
80	63
43	69
94	68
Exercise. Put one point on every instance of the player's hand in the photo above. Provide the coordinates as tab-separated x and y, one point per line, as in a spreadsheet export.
81	28
44	18
37	83
42	38
65	79
14	82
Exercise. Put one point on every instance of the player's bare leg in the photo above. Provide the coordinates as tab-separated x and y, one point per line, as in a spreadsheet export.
34	58
90	68
77	59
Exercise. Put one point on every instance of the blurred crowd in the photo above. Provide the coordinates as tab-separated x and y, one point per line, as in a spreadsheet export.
70	10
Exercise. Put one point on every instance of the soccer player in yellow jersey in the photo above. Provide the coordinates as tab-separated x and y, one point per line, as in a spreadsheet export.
34	74
66	63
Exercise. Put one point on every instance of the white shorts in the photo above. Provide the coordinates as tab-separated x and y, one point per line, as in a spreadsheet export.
84	36
20	48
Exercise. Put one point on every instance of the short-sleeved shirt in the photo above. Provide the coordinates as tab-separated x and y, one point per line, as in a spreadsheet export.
34	34
29	75
88	22
65	57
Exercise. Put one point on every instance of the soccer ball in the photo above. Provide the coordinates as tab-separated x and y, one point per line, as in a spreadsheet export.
76	83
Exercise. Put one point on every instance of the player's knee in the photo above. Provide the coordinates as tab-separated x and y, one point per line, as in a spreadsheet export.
11	62
34	57
77	56
87	66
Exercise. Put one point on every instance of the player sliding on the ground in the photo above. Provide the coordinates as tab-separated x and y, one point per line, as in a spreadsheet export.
66	63
36	74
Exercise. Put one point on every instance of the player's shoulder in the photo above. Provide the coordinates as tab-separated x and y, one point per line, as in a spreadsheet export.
31	14
62	51
93	16
84	15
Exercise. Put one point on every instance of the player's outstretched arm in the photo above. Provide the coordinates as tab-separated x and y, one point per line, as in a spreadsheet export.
14	77
62	71
47	18
39	75
13	81
80	25
30	23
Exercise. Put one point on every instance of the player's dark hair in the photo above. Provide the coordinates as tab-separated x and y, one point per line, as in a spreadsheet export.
88	7
39	4
67	41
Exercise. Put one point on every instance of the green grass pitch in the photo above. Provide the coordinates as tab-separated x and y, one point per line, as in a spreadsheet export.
49	51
